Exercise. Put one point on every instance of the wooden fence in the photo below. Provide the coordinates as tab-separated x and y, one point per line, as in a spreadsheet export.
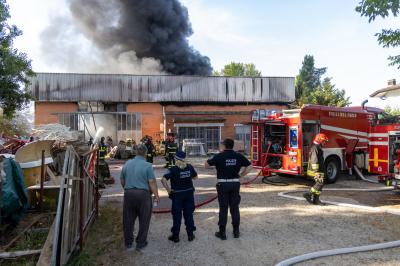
77	204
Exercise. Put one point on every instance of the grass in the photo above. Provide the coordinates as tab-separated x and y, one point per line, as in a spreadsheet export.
30	240
26	261
105	236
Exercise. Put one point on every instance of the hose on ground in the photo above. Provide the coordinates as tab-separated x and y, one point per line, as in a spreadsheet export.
341	251
267	180
209	200
358	171
168	210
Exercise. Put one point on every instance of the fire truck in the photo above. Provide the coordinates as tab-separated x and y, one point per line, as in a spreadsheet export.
362	137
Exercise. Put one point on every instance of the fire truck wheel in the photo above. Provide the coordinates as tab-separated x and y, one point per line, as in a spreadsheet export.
332	170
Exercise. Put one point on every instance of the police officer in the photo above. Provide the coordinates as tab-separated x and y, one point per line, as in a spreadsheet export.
170	149
315	169
182	195
104	171
229	164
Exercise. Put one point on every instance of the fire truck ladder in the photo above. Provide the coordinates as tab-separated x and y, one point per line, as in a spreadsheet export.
254	143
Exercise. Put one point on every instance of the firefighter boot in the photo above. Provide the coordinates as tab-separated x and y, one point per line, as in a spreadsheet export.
308	196
174	238
221	233
236	232
316	201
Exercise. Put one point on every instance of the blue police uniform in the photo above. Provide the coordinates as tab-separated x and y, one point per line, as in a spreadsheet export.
182	197
228	164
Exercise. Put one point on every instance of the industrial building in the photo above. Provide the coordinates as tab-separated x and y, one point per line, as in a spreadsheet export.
131	106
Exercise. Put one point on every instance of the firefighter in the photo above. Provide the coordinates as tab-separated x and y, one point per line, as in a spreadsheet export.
104	171
147	141
315	169
181	193
109	144
231	168
90	142
170	149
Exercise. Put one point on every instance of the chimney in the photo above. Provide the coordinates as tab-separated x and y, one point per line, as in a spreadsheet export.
391	82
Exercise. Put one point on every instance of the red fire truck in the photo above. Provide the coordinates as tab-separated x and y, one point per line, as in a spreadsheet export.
364	137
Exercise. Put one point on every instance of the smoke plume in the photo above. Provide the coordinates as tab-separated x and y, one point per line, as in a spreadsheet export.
155	30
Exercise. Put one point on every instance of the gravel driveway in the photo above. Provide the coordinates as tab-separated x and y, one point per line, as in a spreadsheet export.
272	228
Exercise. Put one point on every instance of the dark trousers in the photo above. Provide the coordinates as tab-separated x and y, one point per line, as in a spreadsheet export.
182	202
104	171
229	197
149	158
137	204
170	159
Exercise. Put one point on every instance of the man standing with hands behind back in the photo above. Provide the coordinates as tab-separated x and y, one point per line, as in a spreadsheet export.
228	164
139	182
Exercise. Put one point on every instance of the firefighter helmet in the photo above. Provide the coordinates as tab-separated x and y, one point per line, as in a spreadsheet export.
321	137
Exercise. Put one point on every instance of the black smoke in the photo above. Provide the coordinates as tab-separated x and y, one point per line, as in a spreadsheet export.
151	28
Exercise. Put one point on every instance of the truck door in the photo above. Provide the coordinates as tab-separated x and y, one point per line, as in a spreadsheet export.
308	132
292	161
394	153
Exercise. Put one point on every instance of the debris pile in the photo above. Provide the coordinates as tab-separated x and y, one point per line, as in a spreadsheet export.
56	132
11	145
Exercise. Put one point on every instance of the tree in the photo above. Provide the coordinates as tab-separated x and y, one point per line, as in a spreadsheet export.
383	8
308	79
310	89
392	111
239	70
15	68
18	125
327	94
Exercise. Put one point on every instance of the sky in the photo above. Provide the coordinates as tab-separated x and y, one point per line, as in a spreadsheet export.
274	35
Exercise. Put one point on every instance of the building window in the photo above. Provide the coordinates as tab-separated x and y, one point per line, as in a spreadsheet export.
118	126
242	134
121	107
69	120
210	136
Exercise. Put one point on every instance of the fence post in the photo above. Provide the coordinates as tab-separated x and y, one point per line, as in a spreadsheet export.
97	183
42	176
81	218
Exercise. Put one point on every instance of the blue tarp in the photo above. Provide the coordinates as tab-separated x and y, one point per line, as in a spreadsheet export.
14	194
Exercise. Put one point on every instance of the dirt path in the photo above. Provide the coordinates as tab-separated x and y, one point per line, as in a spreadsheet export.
273	229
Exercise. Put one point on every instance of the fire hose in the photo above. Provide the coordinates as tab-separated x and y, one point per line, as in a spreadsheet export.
211	199
341	251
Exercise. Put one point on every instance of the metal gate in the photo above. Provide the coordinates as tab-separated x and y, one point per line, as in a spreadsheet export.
209	135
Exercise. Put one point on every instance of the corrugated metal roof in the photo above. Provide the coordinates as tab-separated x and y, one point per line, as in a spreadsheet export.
159	88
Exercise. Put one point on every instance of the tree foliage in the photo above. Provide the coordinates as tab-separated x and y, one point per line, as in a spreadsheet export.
18	125
239	70
383	8
15	68
310	90
392	111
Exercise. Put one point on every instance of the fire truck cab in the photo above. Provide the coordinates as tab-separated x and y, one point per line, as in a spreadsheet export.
364	137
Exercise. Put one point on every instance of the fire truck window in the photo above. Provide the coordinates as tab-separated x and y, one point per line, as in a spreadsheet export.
293	137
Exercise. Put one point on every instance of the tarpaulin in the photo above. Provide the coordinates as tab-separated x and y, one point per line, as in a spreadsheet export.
14	194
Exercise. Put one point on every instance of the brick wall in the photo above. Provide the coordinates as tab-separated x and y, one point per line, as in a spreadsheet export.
228	131
152	117
44	110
